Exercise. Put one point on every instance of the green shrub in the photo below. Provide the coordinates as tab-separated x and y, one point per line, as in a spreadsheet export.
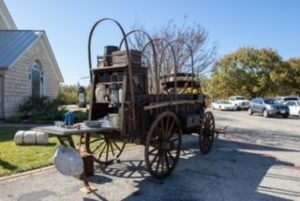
13	119
40	109
80	116
41	117
68	94
60	114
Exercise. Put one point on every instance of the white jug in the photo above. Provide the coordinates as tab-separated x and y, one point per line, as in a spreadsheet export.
100	93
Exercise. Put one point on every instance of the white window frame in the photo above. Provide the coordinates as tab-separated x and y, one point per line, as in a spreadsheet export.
37	68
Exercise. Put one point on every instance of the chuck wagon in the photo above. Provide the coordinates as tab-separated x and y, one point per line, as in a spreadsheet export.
156	119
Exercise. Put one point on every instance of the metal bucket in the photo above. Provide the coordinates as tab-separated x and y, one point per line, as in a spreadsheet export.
107	55
114	120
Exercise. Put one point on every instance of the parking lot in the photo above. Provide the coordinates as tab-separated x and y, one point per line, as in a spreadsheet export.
256	159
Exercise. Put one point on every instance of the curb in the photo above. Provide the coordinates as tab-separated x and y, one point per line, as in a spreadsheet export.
43	169
11	177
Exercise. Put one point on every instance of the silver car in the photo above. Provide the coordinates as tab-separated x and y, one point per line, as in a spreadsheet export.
268	107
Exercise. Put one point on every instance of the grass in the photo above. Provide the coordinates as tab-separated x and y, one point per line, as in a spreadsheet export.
21	158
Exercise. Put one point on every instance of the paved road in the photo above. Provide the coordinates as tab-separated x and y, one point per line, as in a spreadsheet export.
258	159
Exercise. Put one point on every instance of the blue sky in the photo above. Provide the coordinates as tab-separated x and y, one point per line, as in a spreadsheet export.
231	24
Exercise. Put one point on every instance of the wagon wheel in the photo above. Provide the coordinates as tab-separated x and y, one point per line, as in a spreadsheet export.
207	131
105	149
163	143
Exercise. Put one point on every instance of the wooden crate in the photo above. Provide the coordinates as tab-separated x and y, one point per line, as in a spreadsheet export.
120	57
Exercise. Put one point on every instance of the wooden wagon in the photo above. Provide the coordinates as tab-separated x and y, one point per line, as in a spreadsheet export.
120	94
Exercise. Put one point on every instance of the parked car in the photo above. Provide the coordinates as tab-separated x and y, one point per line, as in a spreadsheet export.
239	101
294	107
283	99
268	107
223	105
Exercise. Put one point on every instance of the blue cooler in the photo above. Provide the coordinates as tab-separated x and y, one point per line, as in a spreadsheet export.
69	118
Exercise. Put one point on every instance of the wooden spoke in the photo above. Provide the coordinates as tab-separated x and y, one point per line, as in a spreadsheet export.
104	148
112	148
95	140
170	156
155	149
162	148
167	161
107	151
170	129
158	163
162	161
153	160
102	151
98	147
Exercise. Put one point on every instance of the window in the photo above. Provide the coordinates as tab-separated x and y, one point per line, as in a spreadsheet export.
259	101
290	103
290	99
240	98
37	80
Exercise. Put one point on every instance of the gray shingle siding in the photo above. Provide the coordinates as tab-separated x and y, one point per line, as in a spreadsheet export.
17	83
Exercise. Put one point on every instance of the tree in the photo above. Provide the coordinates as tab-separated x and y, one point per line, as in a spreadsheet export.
250	72
184	40
293	78
68	94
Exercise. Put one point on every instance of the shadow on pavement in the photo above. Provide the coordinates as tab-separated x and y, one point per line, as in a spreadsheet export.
99	198
126	169
97	179
225	174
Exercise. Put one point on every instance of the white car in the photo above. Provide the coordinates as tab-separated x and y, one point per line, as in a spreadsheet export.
294	107
223	105
240	102
284	99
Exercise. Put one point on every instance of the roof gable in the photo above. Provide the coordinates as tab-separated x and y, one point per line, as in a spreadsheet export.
51	56
13	44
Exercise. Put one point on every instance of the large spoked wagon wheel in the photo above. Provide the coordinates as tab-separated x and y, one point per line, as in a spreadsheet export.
207	133
163	145
105	149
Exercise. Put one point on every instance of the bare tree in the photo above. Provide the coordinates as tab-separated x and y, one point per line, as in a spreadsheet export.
175	47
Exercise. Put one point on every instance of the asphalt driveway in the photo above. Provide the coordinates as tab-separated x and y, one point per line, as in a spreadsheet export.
258	159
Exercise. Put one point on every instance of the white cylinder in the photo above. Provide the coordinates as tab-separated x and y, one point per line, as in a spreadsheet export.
114	120
120	95
29	137
100	93
19	137
41	138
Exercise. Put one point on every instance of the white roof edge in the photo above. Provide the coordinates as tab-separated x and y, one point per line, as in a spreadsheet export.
51	56
8	20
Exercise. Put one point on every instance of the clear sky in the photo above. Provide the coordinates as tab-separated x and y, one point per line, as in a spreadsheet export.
231	24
